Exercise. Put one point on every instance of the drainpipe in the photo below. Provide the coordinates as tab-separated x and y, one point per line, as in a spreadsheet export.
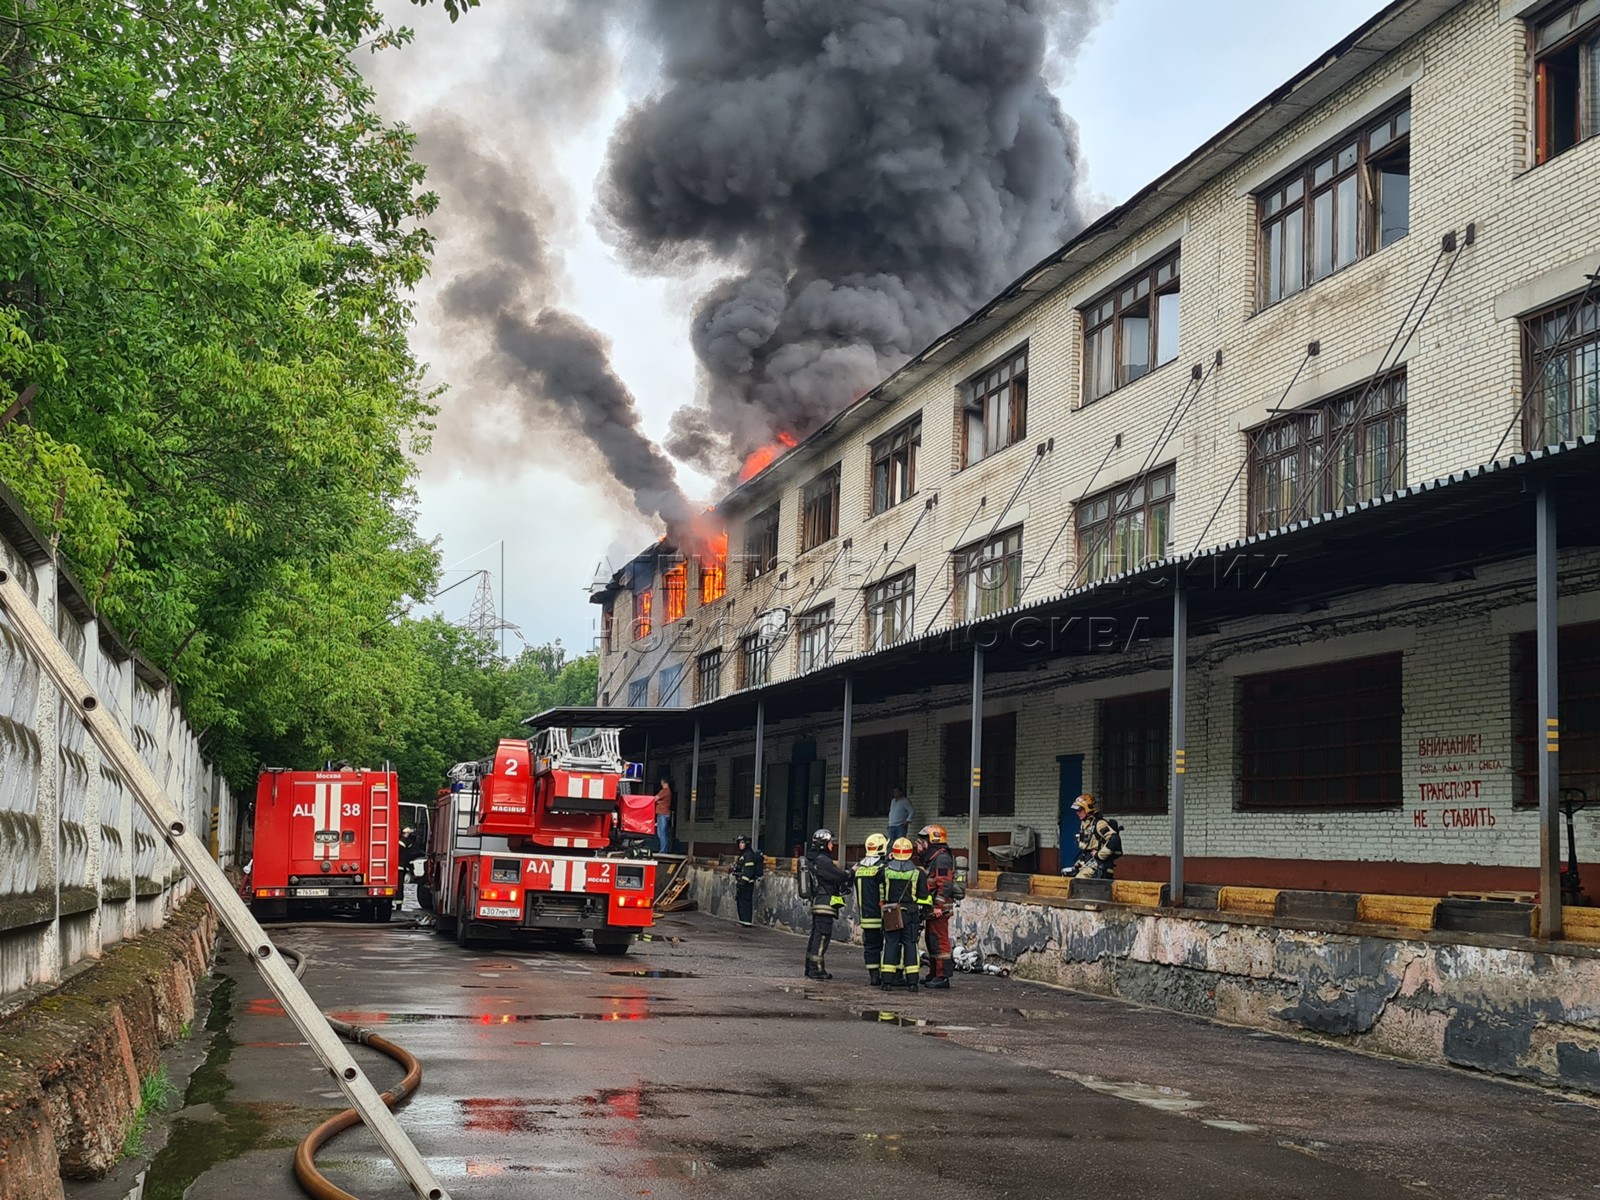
977	763
844	763
1180	678
755	806
1549	713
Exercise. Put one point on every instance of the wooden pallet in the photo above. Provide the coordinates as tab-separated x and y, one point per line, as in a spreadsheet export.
671	899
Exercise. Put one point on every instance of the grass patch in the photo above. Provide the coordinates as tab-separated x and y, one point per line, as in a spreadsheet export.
156	1092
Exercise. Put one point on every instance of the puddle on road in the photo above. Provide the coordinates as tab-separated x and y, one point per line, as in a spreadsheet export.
655	973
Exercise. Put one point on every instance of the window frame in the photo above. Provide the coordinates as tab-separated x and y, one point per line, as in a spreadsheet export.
669	685
968	564
1572	30
807	627
1305	437
708	669
741	800
643	606
1292	199
675	592
1578	702
1135	744
890	457
1575	325
819	509
1300	698
1006	386
703	799
997	795
882	760
761	532
639	693
1106	320
1157	489
755	660
897	593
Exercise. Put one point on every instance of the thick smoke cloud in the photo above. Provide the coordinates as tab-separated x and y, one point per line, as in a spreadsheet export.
872	169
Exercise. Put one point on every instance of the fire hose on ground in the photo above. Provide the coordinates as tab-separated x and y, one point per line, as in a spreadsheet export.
311	1180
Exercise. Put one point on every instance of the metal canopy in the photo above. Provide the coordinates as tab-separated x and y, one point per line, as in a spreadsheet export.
1436	532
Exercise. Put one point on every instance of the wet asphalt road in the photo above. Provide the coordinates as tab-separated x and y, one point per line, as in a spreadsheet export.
704	1065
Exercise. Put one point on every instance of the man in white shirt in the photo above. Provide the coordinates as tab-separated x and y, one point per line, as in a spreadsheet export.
901	815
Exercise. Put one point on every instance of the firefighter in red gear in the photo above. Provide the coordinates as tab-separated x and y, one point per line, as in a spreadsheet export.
933	852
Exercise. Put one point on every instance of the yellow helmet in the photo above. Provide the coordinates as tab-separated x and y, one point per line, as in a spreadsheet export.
935	835
901	849
1086	805
876	843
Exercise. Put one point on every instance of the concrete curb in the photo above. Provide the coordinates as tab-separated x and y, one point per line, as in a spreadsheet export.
72	1061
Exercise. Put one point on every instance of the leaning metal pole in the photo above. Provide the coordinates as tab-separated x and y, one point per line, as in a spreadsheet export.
36	635
1180	676
1549	714
977	764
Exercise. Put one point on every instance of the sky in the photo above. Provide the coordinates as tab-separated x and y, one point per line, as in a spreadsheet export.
1153	81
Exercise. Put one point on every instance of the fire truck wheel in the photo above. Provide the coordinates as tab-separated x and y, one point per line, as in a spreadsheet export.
424	897
383	911
464	937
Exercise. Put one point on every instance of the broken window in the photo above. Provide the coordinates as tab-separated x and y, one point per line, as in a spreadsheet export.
1132	329
994	408
894	465
1566	79
1329	456
1341	205
675	591
643	602
819	510
761	543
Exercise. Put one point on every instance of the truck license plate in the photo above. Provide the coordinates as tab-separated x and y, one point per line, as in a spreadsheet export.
311	891
489	910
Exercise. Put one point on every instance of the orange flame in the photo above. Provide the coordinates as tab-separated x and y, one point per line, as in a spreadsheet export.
763	458
713	555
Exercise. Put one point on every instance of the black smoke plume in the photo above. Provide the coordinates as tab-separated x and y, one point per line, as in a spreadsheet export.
871	169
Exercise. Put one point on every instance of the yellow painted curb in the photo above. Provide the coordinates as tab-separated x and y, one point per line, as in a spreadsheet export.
1132	891
988	880
1579	924
1050	885
1408	912
1263	902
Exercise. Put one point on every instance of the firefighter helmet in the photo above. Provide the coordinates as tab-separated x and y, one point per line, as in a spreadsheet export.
902	849
934	835
742	840
822	839
876	843
1086	806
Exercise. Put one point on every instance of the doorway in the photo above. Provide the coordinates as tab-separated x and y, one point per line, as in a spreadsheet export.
792	797
1071	786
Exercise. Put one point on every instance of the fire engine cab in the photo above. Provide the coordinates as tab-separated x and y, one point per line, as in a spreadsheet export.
325	839
549	835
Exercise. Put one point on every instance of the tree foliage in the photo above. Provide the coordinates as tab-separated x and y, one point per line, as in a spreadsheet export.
208	237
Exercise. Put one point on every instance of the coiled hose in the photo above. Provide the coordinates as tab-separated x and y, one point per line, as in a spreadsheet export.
311	1180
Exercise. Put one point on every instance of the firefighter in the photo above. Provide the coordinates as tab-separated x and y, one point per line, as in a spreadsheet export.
933	853
746	869
827	898
904	900
868	877
1099	841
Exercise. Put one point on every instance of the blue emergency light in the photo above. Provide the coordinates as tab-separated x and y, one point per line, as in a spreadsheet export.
633	771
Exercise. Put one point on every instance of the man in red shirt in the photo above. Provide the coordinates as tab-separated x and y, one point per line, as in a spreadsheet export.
664	815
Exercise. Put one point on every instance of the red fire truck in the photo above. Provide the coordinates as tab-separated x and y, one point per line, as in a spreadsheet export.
549	835
325	839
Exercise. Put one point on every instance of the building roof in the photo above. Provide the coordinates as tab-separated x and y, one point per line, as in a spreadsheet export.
1438	532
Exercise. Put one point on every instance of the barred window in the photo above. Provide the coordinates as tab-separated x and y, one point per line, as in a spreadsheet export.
1561	369
889	609
1135	735
994	408
988	575
1578	684
997	793
819	510
708	676
741	794
816	638
1131	330
894	465
703	805
761	543
1124	528
1322	737
880	767
1341	205
1329	456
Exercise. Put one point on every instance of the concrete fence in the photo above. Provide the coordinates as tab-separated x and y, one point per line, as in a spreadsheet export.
81	868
